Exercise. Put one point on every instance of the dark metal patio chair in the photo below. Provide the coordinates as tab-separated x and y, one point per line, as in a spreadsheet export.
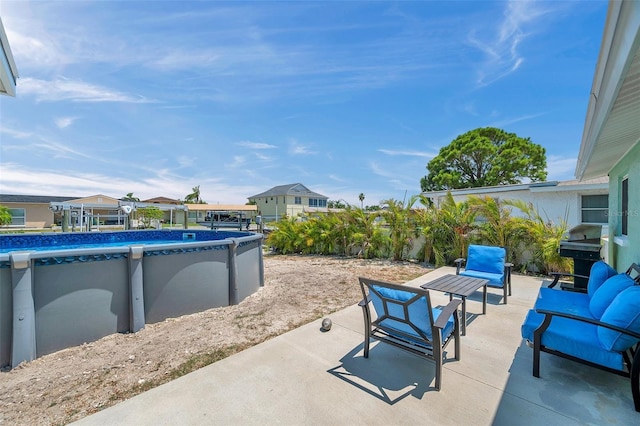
406	319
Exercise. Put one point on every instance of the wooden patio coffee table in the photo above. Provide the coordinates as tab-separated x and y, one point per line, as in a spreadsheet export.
462	286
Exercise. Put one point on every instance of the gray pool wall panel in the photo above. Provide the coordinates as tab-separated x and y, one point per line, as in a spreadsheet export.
50	300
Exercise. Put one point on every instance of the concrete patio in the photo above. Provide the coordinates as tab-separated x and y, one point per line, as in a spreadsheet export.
311	377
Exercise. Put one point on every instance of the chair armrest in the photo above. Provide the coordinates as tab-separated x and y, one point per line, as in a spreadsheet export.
448	310
557	275
459	261
550	313
364	302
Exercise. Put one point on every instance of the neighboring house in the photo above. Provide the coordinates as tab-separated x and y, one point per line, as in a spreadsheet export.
8	69
30	211
610	142
290	200
162	200
572	201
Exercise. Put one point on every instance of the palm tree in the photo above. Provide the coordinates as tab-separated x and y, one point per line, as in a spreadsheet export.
451	229
130	197
194	197
397	217
361	198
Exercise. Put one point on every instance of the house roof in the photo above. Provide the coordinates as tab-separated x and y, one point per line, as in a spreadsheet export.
612	127
33	199
550	186
296	189
8	69
162	200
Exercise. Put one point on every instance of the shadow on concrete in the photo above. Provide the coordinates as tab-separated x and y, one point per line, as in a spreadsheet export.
412	375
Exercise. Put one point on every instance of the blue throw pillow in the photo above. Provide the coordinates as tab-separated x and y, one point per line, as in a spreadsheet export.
608	291
600	272
623	312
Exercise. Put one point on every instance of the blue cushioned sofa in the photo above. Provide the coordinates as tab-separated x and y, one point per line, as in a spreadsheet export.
600	328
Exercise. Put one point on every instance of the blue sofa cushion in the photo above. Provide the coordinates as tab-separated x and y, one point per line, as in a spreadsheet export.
486	262
571	302
604	295
418	313
495	280
486	259
572	337
624	312
600	272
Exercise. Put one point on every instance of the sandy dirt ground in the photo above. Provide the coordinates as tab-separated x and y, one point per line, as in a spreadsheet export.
73	383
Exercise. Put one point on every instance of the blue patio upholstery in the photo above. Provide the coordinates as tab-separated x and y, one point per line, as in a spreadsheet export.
600	272
600	328
419	320
624	312
575	338
489	263
604	295
405	319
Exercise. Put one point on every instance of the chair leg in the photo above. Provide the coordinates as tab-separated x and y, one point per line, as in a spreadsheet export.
537	344
504	290
367	329
635	380
456	336
438	360
536	359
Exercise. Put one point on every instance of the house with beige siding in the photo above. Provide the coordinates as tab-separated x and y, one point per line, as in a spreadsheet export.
30	211
290	200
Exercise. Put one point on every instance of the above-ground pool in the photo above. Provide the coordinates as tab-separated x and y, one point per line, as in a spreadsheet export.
63	289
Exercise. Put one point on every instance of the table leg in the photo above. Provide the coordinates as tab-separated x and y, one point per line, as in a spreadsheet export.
463	323
484	300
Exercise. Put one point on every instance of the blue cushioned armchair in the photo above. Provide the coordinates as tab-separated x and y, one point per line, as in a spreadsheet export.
600	328
406	319
487	262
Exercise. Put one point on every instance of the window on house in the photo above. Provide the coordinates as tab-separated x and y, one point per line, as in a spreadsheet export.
624	211
18	217
595	208
298	200
317	202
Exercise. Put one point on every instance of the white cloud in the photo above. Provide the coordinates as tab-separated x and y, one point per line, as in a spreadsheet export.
507	121
297	148
31	50
262	157
185	161
18	134
64	122
238	161
17	179
502	48
256	145
76	91
561	168
408	153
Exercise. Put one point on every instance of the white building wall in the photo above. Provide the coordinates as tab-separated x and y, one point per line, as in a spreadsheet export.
553	203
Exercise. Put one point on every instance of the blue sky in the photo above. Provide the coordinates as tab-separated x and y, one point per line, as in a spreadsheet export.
156	97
